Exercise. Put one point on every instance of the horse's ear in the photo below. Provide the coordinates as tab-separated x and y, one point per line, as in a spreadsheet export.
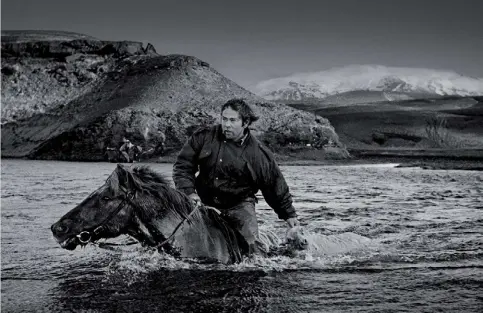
124	176
121	174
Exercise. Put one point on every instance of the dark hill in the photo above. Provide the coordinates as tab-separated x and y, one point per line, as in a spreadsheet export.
449	127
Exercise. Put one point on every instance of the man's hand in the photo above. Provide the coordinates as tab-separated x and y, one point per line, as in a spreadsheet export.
292	222
195	198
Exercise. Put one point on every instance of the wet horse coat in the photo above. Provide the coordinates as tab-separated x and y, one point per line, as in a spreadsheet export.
140	202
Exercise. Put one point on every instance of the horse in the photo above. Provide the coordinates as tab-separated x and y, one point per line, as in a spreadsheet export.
139	202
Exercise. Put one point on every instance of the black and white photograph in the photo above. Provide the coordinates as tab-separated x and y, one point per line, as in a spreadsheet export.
241	156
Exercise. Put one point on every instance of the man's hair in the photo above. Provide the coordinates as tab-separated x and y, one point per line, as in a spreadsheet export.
245	111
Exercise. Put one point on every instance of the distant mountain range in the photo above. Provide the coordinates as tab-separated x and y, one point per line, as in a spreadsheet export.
370	83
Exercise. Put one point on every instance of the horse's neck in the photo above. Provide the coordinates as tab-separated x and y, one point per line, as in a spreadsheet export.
155	229
141	231
197	237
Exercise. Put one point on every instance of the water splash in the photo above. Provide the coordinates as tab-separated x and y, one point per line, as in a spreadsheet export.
320	252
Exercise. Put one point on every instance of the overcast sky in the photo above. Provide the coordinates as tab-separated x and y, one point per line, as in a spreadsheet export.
249	41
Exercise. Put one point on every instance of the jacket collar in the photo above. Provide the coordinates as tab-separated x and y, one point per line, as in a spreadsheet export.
244	138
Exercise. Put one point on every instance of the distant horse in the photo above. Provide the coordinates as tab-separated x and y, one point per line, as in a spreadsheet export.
139	202
113	155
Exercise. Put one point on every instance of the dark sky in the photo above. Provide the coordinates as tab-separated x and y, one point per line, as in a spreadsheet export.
249	40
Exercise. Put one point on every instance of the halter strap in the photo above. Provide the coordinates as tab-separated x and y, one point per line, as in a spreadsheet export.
97	230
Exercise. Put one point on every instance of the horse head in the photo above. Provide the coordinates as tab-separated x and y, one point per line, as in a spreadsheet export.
103	214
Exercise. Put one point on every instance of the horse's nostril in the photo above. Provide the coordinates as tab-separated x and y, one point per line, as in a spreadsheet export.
59	228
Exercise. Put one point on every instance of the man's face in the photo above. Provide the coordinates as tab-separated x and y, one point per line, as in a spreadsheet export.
231	124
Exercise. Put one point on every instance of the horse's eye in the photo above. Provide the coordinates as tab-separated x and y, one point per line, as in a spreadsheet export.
106	198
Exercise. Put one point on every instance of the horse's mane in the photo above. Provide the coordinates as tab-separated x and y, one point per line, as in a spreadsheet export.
142	181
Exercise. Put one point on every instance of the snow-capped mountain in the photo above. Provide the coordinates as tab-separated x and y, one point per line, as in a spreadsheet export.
413	82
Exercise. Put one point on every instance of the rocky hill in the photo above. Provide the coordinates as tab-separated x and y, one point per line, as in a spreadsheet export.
70	97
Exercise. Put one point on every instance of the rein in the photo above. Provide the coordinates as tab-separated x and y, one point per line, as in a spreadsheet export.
197	206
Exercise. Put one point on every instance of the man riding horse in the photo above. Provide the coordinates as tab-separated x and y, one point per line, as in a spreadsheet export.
233	165
129	152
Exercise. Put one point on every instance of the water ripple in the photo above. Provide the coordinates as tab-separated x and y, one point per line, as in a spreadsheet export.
380	239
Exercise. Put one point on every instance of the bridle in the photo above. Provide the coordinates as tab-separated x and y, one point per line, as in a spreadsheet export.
86	237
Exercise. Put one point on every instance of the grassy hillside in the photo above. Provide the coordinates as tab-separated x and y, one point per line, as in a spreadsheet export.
411	128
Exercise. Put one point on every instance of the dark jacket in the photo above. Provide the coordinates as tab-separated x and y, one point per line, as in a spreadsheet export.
230	172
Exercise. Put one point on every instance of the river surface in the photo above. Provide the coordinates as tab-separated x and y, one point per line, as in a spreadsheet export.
381	239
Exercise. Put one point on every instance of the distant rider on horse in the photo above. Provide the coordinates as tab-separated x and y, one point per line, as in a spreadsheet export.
129	152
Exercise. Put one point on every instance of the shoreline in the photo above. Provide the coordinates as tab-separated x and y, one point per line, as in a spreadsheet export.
436	159
398	163
427	163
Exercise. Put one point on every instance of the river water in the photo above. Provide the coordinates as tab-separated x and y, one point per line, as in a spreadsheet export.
381	239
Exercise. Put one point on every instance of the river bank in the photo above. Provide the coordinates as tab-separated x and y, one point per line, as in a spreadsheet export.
434	161
430	162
